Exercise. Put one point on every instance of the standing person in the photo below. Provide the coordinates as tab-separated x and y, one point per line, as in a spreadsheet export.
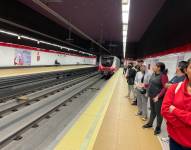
130	75
141	84
156	92
179	77
176	109
137	68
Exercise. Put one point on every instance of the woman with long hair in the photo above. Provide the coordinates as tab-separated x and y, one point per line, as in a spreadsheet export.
156	92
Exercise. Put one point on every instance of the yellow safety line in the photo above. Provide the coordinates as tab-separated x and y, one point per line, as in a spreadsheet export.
83	133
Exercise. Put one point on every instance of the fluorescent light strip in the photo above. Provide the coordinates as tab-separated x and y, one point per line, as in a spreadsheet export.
125	27
29	38
9	33
125	20
38	41
124	1
124	8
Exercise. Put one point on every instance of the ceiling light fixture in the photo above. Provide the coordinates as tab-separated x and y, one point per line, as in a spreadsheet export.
125	20
8	33
29	38
38	41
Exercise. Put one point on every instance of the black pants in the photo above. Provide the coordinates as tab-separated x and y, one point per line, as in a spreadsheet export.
156	112
124	70
175	146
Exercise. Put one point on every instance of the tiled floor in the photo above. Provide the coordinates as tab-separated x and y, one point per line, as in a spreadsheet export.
121	129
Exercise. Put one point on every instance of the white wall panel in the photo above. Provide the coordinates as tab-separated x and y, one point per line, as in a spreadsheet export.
170	61
7	56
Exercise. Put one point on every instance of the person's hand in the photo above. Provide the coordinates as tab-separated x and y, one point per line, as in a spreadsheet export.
167	85
141	85
155	99
171	108
138	86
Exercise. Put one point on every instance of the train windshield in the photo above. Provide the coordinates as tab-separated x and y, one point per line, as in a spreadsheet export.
107	61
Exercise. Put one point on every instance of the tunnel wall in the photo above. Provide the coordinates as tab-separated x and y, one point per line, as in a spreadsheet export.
18	55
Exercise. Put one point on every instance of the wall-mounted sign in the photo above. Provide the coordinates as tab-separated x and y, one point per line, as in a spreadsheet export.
22	57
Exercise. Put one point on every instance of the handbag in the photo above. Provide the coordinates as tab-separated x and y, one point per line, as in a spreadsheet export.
143	91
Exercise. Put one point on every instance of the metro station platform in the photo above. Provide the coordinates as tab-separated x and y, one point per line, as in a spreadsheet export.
35	70
108	123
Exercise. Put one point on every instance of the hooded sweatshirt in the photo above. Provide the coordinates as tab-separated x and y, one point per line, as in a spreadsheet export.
179	120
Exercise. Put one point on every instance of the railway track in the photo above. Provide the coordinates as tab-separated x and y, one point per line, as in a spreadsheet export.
15	124
40	95
12	87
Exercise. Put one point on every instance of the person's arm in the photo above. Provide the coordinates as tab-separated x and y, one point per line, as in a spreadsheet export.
164	80
183	115
167	102
146	82
167	85
136	79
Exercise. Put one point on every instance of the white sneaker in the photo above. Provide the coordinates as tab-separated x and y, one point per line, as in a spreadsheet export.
165	139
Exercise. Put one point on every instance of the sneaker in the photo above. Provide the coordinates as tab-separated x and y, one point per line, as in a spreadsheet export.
144	118
134	103
148	125
157	130
165	139
139	113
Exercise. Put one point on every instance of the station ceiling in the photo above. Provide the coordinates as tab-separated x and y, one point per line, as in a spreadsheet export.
96	26
142	13
99	20
158	25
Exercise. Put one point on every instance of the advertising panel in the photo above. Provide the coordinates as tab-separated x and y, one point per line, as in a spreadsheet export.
22	57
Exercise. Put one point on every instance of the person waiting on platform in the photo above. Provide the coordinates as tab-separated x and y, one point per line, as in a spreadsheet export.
141	84
176	109
156	92
130	75
179	77
137	68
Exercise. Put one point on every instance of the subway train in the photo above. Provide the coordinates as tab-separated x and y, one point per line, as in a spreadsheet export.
108	65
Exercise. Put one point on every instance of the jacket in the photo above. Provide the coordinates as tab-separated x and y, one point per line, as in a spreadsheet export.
131	73
179	120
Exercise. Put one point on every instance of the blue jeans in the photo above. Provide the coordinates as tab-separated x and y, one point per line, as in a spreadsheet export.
175	146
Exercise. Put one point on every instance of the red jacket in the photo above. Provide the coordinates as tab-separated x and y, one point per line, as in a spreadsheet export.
179	121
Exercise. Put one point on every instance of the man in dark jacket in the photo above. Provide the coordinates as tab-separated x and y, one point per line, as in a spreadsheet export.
130	75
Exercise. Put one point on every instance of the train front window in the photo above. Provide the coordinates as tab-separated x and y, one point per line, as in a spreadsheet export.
107	61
